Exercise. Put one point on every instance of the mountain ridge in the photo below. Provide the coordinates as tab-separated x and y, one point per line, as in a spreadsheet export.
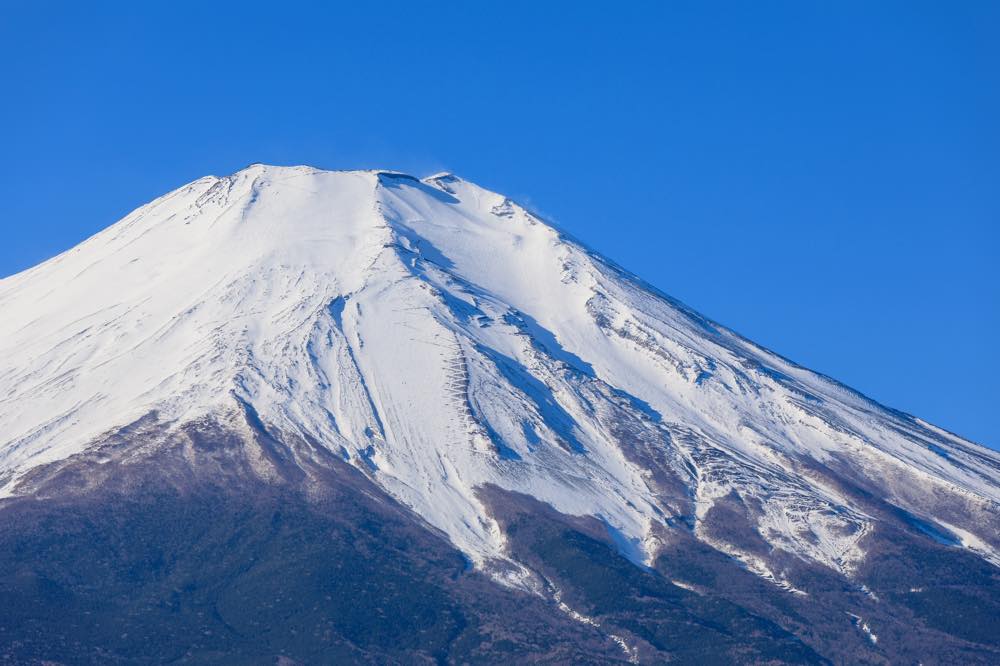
474	364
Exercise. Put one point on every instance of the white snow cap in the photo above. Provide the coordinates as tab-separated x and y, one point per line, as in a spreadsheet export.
440	337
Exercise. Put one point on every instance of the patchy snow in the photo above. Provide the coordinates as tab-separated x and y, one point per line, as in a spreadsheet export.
973	543
630	652
864	627
441	337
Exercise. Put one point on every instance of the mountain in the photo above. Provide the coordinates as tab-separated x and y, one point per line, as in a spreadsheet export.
295	415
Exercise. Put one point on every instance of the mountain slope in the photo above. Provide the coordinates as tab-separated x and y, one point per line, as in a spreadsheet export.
464	357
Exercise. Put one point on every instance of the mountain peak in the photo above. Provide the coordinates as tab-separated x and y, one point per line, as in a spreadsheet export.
369	372
442	340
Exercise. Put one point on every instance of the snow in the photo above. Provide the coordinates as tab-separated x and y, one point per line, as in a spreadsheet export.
441	337
864	626
630	652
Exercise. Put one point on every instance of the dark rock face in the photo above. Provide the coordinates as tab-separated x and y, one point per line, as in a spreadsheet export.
663	620
213	577
922	602
219	543
156	566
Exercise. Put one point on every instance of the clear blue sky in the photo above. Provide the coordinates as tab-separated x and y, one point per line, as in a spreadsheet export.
823	177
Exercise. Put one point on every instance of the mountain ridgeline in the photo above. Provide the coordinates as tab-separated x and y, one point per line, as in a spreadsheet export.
305	416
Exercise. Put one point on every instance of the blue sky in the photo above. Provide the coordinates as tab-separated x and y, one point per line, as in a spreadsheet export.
822	177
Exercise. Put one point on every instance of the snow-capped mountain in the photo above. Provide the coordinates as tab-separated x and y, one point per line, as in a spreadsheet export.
462	356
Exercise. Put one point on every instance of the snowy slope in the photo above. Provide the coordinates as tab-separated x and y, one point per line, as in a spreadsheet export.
441	338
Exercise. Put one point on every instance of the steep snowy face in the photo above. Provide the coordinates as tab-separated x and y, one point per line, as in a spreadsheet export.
443	339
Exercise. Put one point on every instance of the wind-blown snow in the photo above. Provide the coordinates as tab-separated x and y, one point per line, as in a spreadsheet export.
440	337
